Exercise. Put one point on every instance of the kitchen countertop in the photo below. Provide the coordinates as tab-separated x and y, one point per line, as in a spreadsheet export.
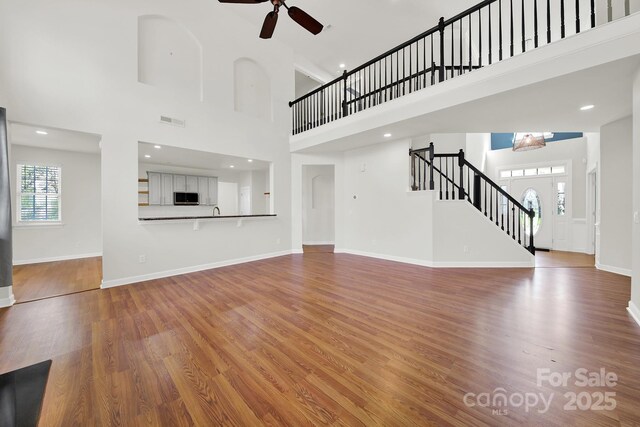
175	218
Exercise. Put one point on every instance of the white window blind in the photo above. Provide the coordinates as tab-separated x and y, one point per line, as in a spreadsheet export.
39	193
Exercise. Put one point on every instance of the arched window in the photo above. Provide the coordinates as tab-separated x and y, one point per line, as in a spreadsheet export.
252	90
169	56
531	200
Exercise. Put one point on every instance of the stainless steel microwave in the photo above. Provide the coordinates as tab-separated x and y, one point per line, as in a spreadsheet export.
182	198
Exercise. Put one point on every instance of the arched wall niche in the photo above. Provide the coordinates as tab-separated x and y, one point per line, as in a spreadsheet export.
252	89
169	56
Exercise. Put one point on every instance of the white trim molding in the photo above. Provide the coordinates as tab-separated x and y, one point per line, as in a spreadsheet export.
612	269
634	311
57	258
441	264
179	271
319	243
6	297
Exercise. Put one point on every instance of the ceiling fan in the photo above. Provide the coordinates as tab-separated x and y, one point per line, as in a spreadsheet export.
297	14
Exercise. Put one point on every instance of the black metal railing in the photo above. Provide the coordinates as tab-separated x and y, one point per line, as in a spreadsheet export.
454	177
486	33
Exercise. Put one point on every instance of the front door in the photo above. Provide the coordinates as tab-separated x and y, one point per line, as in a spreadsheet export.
539	192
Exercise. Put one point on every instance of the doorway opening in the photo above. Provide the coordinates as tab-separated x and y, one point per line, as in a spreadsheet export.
56	211
318	208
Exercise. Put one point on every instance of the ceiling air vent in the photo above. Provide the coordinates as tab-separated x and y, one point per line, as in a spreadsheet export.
171	121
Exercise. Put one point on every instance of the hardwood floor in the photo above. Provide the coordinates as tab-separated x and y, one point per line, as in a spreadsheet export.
310	249
564	259
328	339
48	279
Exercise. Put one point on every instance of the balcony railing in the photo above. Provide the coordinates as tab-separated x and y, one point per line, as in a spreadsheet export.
486	33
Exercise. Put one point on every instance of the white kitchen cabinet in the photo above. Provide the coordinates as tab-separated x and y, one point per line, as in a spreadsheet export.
213	191
167	189
179	183
203	190
155	188
192	184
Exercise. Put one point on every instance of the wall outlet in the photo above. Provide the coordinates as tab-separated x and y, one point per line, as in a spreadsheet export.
278	241
142	259
465	249
636	217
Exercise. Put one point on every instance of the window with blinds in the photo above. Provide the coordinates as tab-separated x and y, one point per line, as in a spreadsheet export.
38	193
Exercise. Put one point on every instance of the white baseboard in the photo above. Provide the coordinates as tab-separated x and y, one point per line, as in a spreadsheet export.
616	270
404	260
441	264
634	311
168	273
6	297
319	243
297	251
58	258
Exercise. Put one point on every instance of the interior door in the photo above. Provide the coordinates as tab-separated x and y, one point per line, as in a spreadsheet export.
543	193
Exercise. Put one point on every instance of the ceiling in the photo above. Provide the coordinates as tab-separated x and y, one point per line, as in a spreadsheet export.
355	30
194	159
55	139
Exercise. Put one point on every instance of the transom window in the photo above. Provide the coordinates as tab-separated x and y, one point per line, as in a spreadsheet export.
39	193
544	170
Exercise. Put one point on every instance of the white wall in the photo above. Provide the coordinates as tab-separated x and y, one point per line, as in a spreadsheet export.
81	231
384	218
75	66
477	147
318	204
259	186
634	304
616	203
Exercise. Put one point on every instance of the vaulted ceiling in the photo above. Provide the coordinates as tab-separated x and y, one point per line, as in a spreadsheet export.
355	30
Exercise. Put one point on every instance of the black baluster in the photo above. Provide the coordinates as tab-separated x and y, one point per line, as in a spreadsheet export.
524	41
562	28
461	67
490	38
452	54
532	248
485	197
446	173
410	66
497	205
511	19
508	225
461	165
593	13
513	221
404	65
413	170
470	45
577	16
480	38
441	74
431	157
519	225
491	203
440	175
535	23
500	29
548	21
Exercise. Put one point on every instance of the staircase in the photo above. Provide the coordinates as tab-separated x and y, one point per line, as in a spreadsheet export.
456	179
486	33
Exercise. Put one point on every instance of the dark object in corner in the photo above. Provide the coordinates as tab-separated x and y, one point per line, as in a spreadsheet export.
21	395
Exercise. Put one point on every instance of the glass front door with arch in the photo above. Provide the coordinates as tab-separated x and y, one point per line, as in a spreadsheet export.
545	190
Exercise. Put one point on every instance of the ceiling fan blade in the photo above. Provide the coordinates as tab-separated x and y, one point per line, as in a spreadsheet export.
243	1
269	25
305	20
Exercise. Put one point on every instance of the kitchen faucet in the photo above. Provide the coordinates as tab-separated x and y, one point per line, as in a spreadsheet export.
214	210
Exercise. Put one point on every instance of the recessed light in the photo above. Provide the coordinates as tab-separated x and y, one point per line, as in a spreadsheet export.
41	132
387	135
587	107
231	166
147	156
157	147
250	160
342	65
